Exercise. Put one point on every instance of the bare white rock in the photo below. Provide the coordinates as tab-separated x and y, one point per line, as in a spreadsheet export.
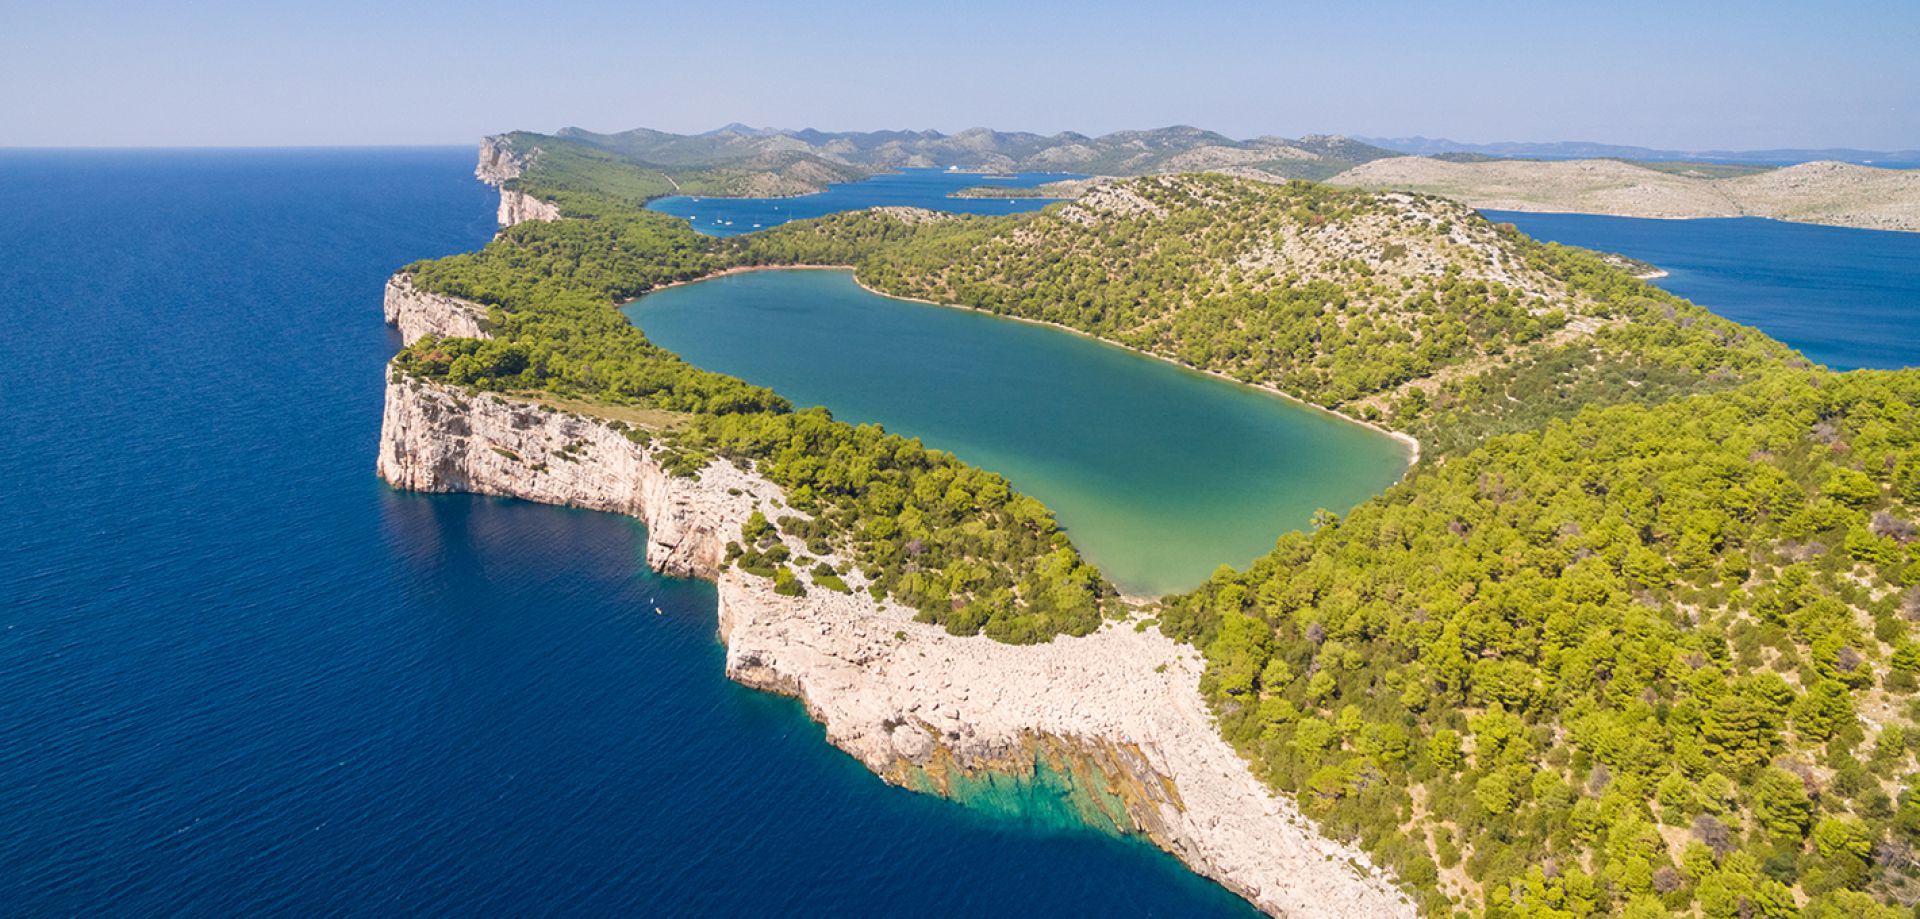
499	164
418	313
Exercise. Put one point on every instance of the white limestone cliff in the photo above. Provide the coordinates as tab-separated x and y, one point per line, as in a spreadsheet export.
499	165
417	313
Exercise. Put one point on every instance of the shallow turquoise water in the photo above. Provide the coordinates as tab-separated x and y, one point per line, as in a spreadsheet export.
1160	474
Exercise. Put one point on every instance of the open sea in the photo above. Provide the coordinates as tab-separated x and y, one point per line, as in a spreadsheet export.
241	676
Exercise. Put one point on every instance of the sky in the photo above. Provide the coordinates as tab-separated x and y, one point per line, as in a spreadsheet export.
1676	74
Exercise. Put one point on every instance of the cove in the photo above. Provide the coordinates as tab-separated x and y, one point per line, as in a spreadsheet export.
928	188
240	676
1160	474
1847	298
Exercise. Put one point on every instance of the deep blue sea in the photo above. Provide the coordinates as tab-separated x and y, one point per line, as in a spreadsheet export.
1846	298
239	675
929	188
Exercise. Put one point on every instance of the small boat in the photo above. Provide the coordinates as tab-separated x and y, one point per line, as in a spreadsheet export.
657	612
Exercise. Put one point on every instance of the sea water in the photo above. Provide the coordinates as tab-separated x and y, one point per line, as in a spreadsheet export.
241	676
1846	297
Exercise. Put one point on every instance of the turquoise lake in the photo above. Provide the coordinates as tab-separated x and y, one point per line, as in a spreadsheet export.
1160	474
929	188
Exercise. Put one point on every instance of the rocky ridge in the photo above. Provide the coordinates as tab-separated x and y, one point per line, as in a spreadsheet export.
1118	710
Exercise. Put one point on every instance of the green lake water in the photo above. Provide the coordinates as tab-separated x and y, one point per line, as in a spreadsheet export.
1160	474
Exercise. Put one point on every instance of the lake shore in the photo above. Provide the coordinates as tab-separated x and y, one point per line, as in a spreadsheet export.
1408	442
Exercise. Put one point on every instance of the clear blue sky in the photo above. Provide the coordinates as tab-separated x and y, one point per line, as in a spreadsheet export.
1681	74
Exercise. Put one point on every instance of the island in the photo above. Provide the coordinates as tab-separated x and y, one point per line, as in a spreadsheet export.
756	162
1826	192
1633	636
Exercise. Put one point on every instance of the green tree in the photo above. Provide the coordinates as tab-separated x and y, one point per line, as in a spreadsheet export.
1781	803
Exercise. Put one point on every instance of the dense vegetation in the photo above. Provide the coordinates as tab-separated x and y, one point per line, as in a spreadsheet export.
552	285
955	543
582	180
1410	311
587	180
1636	638
1644	660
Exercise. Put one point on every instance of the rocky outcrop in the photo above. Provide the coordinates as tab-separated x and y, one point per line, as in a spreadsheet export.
441	439
520	207
1119	712
500	163
417	313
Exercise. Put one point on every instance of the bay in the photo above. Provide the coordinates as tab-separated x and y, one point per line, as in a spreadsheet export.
1847	298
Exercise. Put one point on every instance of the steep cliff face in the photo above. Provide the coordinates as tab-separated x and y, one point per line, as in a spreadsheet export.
1118	713
520	207
442	439
417	313
499	164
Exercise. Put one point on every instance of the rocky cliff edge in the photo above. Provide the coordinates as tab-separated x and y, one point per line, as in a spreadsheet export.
499	165
1118	713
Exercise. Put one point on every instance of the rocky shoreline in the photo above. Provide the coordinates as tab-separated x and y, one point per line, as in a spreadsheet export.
417	313
1119	712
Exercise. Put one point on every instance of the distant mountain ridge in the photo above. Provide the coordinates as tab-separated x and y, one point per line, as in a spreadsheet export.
1121	153
740	160
1581	150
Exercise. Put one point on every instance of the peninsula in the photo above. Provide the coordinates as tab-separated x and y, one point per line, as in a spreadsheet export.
1633	636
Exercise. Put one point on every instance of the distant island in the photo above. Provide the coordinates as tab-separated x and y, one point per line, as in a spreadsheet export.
758	162
1585	150
1634	636
1839	194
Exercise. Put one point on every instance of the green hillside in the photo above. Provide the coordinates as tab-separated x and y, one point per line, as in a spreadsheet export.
1635	637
